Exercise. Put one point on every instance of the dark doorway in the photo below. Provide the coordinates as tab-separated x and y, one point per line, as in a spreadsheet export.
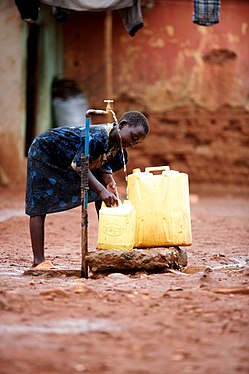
31	83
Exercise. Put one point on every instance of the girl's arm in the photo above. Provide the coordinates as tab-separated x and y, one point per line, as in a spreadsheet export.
106	178
110	198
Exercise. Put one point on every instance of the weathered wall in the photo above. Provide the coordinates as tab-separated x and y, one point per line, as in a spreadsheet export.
11	132
191	81
175	62
170	62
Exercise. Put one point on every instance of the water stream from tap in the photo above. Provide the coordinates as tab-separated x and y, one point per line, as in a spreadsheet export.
122	150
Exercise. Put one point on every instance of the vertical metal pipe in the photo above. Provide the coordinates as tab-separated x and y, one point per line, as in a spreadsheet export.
84	188
84	201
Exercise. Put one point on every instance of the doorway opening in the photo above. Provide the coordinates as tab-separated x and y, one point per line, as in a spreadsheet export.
31	83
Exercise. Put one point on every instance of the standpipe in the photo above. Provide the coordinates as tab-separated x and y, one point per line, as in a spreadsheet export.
85	186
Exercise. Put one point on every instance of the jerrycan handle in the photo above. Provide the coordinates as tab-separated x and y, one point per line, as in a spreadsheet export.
156	168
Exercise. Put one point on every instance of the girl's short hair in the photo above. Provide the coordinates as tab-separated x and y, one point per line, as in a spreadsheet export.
135	119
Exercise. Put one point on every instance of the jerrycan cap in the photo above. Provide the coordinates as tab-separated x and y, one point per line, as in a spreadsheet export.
136	170
151	169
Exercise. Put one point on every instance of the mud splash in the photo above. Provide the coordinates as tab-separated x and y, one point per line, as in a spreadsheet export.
69	326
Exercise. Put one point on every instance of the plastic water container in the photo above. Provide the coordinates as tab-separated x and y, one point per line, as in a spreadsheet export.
162	207
117	226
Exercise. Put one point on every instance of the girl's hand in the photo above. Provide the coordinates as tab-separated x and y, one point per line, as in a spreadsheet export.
108	197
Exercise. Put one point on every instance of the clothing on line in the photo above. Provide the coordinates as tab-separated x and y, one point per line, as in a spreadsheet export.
206	12
130	11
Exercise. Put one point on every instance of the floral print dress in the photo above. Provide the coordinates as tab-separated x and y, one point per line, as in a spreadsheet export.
53	167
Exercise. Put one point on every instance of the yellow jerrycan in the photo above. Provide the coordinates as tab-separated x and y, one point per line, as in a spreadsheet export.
162	207
117	226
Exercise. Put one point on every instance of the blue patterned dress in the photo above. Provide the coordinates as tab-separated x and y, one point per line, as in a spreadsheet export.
53	167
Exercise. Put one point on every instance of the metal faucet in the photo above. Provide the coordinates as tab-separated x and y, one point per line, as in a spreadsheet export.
102	112
108	105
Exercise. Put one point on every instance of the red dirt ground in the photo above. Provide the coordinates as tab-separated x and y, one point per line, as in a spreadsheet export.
196	321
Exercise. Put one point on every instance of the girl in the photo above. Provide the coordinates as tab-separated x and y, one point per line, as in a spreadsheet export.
53	170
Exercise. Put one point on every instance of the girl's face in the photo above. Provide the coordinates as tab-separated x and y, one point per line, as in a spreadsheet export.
131	135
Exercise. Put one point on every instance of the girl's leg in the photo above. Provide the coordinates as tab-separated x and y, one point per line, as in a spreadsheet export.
98	204
36	226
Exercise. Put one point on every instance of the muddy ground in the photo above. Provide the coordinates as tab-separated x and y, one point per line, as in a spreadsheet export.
196	321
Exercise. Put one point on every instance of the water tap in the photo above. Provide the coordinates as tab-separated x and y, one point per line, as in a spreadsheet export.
108	105
109	109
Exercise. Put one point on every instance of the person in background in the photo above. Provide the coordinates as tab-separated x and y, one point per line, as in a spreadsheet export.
69	104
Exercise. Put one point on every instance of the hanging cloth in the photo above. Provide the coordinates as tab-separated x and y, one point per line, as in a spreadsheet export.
132	18
90	5
130	11
28	9
206	12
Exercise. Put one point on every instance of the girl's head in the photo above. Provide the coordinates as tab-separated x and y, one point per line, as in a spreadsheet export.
133	127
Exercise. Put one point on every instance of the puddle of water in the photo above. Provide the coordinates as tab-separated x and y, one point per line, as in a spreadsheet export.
70	326
10	213
14	273
235	264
